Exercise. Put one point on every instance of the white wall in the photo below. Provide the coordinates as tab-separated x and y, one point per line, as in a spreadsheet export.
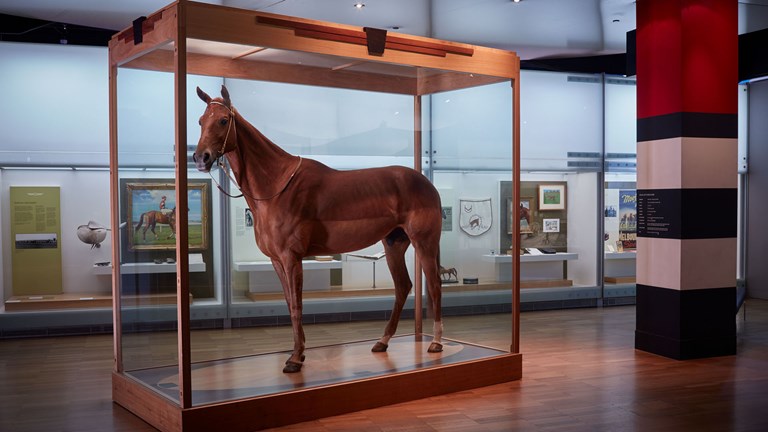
582	227
472	128
620	116
558	116
458	249
55	104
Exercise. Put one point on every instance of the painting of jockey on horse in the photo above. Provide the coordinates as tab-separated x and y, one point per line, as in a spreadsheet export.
151	210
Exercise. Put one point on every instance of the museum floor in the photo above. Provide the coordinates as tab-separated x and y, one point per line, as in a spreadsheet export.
580	373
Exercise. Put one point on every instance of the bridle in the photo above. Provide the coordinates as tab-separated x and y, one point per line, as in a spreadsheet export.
229	128
222	151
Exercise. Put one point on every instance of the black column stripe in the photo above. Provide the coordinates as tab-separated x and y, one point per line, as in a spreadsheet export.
687	213
684	324
687	124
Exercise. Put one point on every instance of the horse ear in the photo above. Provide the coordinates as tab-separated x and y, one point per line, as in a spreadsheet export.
204	96
225	96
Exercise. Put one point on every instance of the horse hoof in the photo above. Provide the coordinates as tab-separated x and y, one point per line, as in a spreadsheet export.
302	359
435	347
292	367
379	347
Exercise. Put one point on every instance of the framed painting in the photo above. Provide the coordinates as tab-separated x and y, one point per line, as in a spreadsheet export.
552	197
151	214
526	219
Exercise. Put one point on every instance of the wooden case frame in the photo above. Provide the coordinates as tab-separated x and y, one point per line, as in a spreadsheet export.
409	65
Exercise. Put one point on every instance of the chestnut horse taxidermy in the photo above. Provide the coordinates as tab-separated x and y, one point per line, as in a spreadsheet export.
303	208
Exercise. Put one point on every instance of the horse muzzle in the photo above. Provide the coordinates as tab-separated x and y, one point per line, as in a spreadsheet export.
204	161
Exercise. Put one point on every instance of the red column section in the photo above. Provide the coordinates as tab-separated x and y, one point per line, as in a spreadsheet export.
684	55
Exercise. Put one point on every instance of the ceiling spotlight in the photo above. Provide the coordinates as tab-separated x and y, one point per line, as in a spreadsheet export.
516	1
359	5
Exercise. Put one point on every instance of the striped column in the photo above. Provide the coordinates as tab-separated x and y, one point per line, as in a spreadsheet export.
687	76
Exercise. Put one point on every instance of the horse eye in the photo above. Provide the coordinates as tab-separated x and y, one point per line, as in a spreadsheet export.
200	122
223	122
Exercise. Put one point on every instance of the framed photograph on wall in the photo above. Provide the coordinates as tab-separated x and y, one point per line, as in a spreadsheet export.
526	220
151	211
551	225
552	197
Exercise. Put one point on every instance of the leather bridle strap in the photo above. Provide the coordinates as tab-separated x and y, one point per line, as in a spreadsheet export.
225	168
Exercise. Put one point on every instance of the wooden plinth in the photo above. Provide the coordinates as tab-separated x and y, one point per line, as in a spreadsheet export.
83	301
336	380
620	279
57	301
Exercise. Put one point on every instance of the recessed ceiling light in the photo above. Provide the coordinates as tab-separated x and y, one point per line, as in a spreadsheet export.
516	1
359	5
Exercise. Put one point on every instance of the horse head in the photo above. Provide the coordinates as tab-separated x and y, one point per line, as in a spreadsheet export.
218	134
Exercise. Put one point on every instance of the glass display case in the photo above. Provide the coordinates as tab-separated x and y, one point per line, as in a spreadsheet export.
343	96
620	191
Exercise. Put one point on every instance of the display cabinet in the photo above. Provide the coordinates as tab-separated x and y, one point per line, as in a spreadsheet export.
348	97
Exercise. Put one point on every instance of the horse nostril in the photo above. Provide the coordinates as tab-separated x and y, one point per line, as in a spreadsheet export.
194	157
206	157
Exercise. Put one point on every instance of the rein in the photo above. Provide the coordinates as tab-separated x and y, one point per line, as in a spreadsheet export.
225	167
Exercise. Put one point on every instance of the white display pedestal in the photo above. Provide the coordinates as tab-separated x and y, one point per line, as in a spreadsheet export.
148	268
532	267
263	279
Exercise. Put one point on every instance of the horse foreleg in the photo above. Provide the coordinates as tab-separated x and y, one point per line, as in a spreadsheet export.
395	255
173	231
291	276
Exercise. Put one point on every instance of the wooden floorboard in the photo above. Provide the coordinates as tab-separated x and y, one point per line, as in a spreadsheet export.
580	373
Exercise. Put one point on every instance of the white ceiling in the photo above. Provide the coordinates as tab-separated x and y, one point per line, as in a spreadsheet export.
533	28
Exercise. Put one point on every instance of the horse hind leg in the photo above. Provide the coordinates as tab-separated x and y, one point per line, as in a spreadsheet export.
395	245
291	276
427	252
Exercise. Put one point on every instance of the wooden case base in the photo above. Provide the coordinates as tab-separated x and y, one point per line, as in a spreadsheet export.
416	375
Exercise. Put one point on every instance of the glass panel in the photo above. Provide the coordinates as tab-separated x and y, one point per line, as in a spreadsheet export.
471	164
620	205
147	241
561	121
620	234
560	237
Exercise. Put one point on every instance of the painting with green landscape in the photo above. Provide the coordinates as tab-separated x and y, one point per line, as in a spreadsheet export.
151	210
552	197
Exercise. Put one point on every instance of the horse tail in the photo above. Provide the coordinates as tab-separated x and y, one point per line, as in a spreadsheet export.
141	221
